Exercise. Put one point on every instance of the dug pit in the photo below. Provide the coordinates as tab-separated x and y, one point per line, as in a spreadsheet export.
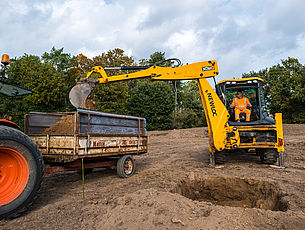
233	191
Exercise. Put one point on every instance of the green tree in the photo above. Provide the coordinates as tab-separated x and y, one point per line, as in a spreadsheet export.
186	118
287	89
191	113
66	67
42	78
155	102
158	58
192	100
60	60
110	97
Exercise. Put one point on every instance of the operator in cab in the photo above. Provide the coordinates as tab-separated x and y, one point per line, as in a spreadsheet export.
240	104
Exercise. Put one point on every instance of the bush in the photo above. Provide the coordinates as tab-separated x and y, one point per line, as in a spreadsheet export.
155	102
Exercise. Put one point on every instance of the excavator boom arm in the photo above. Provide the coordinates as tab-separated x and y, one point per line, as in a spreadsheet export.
187	72
215	111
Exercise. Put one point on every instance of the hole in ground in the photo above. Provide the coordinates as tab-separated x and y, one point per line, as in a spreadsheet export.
233	191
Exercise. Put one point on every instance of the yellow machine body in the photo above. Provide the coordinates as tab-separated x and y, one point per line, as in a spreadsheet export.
222	135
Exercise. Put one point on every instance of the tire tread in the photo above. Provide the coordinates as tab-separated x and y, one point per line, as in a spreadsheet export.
11	134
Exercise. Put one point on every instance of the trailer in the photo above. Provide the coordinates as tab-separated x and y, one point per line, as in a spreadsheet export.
92	139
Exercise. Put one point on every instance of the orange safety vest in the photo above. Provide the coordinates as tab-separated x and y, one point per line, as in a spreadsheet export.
240	103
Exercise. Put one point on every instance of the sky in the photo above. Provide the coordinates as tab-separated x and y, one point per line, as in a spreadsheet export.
242	35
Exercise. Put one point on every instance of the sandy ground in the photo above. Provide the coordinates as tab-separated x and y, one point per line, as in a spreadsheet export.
175	188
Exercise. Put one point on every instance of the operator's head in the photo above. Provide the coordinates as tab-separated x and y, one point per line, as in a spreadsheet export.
239	94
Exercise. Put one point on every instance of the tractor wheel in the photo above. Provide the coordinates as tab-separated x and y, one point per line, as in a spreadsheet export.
21	171
268	156
126	166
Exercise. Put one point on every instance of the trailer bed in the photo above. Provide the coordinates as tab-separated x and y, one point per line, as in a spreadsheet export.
85	134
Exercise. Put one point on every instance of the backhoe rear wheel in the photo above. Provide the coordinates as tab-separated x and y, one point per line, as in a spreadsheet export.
220	157
268	156
21	171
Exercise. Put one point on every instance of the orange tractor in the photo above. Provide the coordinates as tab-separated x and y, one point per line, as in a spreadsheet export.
21	164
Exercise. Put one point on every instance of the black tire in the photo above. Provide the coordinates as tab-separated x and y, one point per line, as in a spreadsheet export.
268	156
126	166
220	157
212	158
12	140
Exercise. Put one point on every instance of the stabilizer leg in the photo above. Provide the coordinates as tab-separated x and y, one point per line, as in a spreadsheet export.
281	159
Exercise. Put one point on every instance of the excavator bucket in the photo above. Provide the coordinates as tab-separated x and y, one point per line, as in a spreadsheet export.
79	93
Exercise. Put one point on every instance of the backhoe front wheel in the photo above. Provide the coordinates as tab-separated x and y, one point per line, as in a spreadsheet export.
21	171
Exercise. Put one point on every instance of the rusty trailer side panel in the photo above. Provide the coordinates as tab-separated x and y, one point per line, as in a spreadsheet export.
91	135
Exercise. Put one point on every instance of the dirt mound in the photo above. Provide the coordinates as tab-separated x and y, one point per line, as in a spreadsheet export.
148	209
153	209
233	191
64	126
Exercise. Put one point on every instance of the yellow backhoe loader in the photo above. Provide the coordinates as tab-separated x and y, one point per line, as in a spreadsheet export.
261	134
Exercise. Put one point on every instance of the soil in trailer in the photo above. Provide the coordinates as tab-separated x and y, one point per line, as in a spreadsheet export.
64	126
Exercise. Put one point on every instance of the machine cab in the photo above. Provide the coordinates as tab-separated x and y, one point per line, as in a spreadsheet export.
254	90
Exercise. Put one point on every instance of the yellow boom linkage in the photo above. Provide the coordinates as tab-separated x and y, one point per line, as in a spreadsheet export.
215	111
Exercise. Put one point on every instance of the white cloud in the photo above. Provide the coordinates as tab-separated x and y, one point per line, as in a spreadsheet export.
242	35
18	6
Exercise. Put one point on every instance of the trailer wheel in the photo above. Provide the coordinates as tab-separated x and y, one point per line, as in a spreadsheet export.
126	166
21	171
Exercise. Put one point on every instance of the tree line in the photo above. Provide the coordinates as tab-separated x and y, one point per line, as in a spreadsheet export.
287	89
165	105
